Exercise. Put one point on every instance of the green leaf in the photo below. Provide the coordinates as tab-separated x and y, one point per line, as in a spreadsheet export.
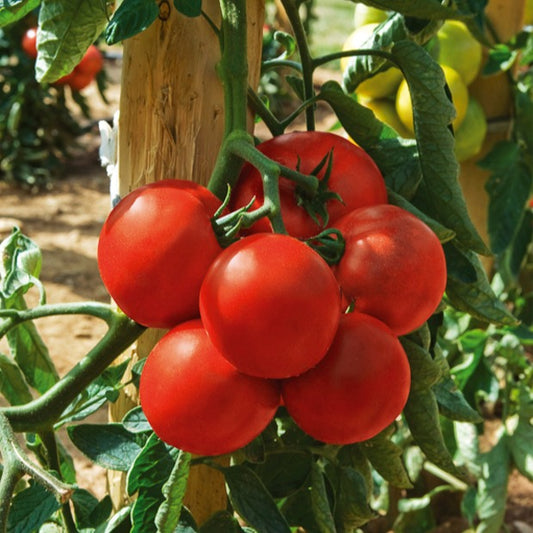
467	442
439	192
88	510
66	30
252	501
424	370
189	8
20	267
386	458
168	514
500	58
135	421
282	473
13	10
508	187
32	356
351	500
422	416
30	509
319	500
13	386
296	509
150	467
131	17
108	445
452	403
492	487
520	431
444	234
469	290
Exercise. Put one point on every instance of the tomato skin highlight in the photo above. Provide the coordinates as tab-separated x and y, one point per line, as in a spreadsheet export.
357	390
271	305
354	176
198	402
393	266
153	252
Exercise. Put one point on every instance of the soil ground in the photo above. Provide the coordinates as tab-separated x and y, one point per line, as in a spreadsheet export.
65	223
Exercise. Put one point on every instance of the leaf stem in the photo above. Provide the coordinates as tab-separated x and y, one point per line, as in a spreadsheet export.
291	8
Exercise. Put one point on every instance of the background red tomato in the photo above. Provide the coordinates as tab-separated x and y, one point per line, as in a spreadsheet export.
271	305
357	390
153	252
196	401
354	176
393	266
29	42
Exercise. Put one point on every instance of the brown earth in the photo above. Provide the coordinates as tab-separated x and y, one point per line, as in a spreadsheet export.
65	222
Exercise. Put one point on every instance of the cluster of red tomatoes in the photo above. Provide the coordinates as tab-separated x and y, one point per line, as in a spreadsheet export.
84	72
266	321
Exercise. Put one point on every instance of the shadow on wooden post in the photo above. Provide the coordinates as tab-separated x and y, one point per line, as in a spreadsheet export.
170	126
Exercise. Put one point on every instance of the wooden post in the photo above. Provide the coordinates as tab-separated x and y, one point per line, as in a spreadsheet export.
170	125
494	94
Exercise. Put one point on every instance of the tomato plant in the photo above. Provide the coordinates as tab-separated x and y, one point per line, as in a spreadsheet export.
187	386
386	247
353	180
357	389
149	252
271	305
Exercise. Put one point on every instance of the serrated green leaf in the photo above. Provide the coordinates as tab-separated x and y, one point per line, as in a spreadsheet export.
12	10
108	445
131	17
508	187
467	442
169	511
30	509
500	58
386	458
143	471
252	501
422	416
452	403
439	192
473	296
319	500
189	8
424	371
66	30
351	500
492	487
13	386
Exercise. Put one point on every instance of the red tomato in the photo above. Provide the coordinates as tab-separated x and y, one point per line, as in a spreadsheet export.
29	42
154	250
76	80
91	62
196	401
354	176
393	266
357	390
271	305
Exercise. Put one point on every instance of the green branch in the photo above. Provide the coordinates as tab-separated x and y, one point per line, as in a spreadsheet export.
41	413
